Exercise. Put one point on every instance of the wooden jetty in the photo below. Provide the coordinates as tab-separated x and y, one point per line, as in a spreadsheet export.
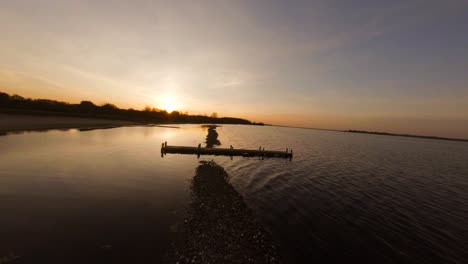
261	152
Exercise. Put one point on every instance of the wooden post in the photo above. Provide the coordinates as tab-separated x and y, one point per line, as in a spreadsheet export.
165	144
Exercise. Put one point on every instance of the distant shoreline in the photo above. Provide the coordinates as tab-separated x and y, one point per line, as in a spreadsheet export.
379	133
23	123
18	114
314	128
405	135
28	121
15	104
13	123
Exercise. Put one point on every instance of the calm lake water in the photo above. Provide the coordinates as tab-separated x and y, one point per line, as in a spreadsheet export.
107	196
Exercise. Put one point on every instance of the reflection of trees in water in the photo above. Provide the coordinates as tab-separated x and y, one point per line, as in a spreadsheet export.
212	137
220	228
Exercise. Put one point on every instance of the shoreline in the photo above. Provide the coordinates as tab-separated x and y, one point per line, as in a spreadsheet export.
405	135
14	123
380	133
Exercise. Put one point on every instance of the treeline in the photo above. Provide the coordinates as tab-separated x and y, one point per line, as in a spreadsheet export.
21	105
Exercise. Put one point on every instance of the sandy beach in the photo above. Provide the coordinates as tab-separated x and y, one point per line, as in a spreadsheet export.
17	123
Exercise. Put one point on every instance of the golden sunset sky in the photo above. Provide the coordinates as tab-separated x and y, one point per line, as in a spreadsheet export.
395	66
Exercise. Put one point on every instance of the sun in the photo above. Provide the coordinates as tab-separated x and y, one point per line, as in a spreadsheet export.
169	104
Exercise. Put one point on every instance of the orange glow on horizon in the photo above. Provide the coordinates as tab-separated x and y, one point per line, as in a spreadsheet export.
169	103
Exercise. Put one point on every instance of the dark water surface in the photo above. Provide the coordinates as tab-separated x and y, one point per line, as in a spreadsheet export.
107	196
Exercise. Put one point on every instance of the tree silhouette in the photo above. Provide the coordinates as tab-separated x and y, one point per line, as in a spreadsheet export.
21	105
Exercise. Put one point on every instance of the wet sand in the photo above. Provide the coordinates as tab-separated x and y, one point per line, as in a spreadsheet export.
220	228
17	123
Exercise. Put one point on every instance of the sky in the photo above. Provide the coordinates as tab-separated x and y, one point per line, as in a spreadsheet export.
395	66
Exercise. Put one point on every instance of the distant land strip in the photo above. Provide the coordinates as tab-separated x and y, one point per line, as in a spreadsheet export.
314	128
376	133
404	135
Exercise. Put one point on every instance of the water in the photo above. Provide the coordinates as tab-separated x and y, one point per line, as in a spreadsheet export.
108	196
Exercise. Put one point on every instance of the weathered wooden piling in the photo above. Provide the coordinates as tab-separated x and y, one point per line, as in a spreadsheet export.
224	151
